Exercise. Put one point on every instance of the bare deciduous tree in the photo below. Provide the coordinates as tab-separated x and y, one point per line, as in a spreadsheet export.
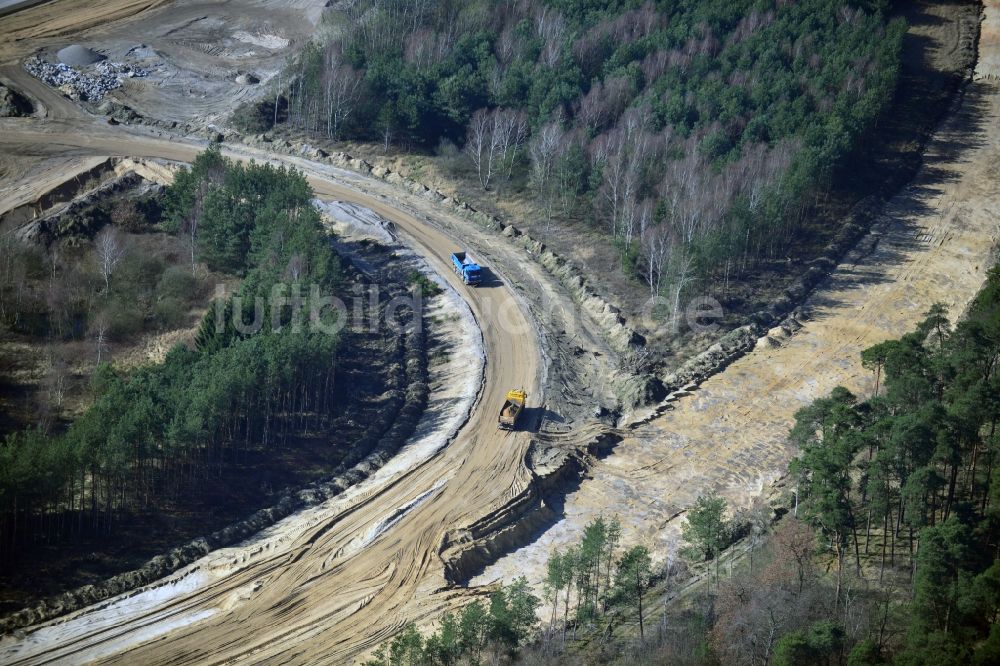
13	277
56	375
341	84
621	155
544	151
99	328
493	140
552	29
605	102
683	275
480	145
656	245
511	127
109	247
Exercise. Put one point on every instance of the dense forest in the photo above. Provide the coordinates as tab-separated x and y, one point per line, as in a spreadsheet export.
700	132
152	432
907	477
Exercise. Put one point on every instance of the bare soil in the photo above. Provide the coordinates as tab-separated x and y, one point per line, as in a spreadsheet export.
195	51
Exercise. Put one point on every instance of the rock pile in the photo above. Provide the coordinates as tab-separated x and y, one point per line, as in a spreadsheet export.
88	83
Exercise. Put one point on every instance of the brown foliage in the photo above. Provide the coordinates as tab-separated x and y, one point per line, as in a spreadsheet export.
754	610
126	216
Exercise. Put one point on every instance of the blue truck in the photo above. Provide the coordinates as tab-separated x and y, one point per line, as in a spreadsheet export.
466	267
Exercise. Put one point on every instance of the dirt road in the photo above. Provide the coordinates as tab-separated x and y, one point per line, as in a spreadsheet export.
265	601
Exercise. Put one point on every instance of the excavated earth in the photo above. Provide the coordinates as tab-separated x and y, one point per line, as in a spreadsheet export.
204	58
375	555
328	583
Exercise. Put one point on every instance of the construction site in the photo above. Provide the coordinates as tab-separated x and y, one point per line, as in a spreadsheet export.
523	436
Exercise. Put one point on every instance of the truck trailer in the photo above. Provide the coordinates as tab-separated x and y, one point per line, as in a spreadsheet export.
512	408
466	267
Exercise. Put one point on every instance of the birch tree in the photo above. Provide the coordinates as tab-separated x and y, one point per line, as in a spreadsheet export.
481	145
341	84
544	150
109	248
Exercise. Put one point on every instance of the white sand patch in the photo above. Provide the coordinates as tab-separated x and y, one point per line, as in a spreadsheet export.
358	217
384	525
263	40
125	609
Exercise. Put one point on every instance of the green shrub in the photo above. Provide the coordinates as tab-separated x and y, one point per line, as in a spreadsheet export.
179	284
254	118
428	288
125	318
170	312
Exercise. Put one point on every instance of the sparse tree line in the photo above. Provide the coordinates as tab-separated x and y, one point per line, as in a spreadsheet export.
594	577
156	431
94	275
696	134
480	632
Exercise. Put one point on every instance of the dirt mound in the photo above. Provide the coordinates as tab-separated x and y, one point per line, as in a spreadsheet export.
78	56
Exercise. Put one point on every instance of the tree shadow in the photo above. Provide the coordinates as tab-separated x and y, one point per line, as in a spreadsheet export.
903	229
545	510
533	418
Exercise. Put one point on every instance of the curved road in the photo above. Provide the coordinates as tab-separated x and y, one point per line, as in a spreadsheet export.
314	596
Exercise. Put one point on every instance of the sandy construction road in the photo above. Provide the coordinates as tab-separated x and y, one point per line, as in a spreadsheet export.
315	582
305	597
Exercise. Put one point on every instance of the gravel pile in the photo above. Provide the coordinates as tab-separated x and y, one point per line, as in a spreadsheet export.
87	83
78	56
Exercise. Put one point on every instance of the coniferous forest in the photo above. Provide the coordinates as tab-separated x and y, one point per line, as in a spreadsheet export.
695	136
906	478
152	432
